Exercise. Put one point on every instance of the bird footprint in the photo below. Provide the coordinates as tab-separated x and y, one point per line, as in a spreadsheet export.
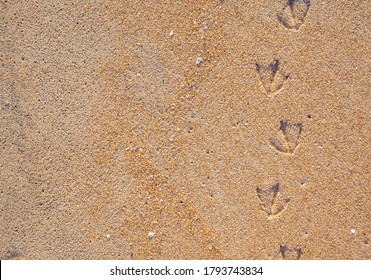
294	13
271	201
290	253
287	137
271	76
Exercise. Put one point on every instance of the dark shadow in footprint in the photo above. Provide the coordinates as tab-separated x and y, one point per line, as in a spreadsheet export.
294	13
12	255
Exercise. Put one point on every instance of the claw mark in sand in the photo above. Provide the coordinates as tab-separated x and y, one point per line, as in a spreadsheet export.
294	13
287	138
271	76
271	201
290	253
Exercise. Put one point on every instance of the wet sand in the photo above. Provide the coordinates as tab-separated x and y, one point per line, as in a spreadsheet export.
185	130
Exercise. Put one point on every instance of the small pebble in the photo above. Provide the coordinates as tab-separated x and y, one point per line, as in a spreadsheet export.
108	236
198	61
353	231
171	33
150	235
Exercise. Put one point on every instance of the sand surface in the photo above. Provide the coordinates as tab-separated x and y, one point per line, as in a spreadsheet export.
185	129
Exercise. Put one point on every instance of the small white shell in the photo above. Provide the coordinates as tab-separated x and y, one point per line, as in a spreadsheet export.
198	61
